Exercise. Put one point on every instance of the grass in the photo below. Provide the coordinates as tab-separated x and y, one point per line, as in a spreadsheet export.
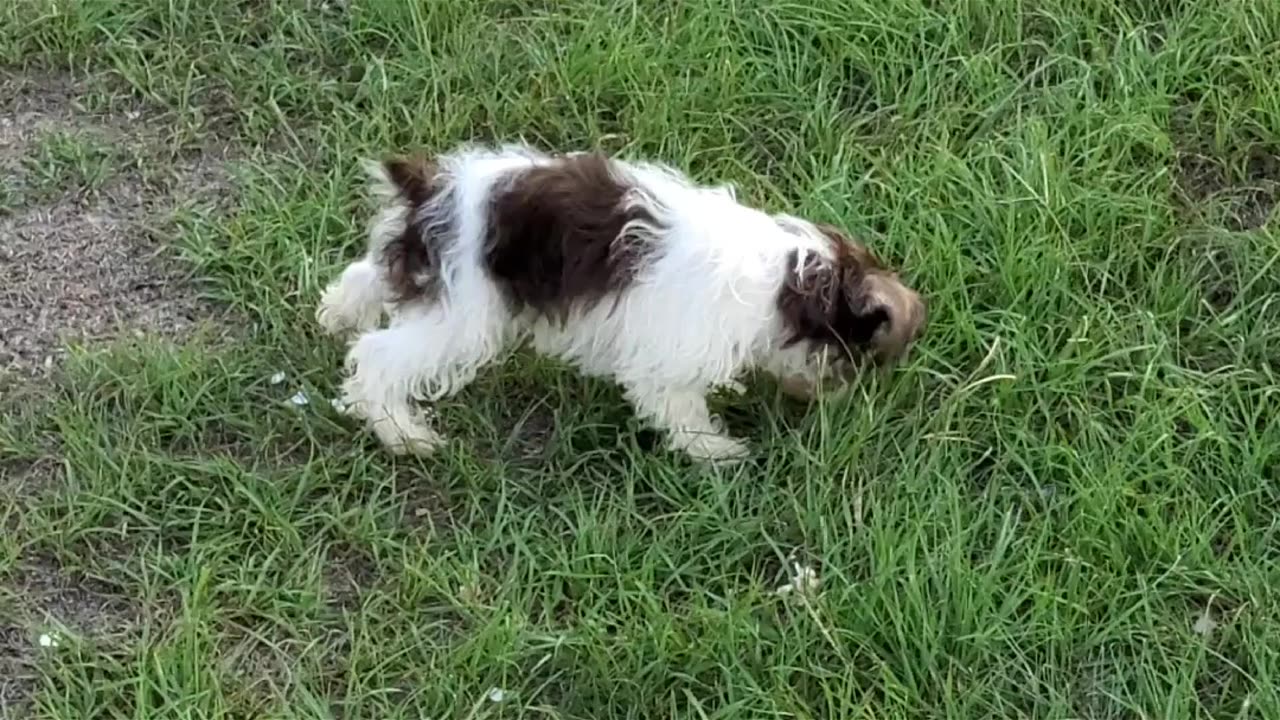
64	162
1038	516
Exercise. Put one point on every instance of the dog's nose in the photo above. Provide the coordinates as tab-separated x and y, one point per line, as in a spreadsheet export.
921	314
907	320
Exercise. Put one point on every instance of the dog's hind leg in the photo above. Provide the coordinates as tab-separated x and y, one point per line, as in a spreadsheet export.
428	352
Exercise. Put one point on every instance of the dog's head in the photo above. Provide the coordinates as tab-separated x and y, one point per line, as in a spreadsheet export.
842	306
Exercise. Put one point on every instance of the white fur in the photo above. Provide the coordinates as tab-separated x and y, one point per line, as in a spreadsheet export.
699	315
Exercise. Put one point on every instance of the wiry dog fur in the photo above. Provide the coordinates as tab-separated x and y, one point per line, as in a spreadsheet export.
627	270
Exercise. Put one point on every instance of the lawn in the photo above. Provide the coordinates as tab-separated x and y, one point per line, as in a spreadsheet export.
1063	506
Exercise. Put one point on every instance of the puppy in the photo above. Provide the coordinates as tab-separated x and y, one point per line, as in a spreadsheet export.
627	270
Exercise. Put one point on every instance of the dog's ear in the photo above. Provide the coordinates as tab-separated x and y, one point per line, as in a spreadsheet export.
860	315
825	302
412	177
877	309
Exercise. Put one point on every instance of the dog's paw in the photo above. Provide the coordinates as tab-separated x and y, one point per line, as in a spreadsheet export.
337	323
401	433
328	321
329	315
716	449
417	439
340	314
417	445
732	387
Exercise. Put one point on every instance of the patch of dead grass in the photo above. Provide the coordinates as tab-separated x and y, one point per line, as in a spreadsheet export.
85	265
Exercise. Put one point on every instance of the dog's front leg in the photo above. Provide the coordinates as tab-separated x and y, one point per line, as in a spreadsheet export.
682	413
353	301
430	351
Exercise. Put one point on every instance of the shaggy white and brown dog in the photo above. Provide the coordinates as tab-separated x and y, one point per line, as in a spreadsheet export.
626	270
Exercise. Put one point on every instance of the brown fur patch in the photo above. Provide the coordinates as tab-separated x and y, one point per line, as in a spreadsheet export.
849	252
822	303
850	302
414	177
555	235
412	260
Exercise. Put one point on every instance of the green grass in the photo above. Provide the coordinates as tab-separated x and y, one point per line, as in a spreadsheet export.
1027	520
67	162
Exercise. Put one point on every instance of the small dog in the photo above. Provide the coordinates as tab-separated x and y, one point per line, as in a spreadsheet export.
626	270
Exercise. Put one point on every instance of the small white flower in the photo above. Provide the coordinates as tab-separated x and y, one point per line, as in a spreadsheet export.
338	405
300	399
48	641
1205	624
496	695
278	377
804	580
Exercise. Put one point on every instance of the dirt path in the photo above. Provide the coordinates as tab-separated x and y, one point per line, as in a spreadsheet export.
86	197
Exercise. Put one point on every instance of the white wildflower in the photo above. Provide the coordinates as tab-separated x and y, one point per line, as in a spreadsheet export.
1205	624
804	580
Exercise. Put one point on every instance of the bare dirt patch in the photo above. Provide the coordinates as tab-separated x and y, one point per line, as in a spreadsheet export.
1236	190
88	195
89	185
531	437
28	478
1248	195
1232	186
44	607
